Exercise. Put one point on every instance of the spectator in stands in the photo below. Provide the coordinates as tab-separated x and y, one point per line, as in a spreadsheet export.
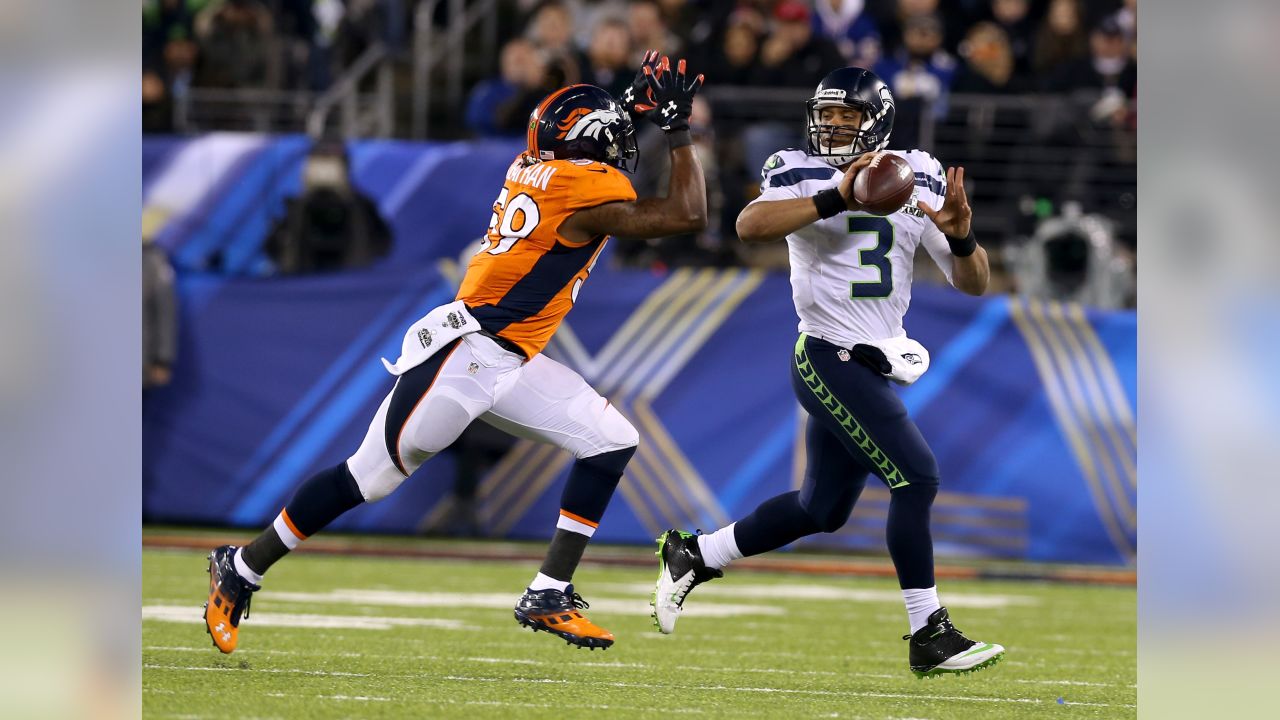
1061	39
649	31
157	108
501	105
793	55
989	67
736	64
920	76
893	22
1108	69
1013	17
1107	66
163	22
235	41
1127	18
851	28
609	56
551	30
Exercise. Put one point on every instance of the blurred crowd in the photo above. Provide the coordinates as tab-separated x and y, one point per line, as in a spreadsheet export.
255	44
923	48
1037	98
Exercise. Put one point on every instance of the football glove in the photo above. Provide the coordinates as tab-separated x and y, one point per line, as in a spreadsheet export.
638	98
672	97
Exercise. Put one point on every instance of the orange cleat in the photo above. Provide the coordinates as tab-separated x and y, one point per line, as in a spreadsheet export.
558	613
229	596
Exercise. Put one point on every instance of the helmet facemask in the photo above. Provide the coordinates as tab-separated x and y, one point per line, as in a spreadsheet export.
623	153
841	144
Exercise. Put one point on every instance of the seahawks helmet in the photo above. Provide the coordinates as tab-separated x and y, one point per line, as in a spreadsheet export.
850	87
582	121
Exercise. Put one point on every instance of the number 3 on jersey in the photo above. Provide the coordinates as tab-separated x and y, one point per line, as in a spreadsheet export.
511	221
874	258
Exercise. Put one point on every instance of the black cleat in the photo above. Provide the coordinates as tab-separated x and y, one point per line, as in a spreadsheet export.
558	613
680	570
229	596
939	648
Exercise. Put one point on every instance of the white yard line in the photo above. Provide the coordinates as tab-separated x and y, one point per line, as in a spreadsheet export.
806	591
215	668
189	614
642	666
638	605
782	691
359	698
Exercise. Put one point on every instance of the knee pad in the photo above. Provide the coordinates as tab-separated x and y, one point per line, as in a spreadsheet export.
374	472
612	432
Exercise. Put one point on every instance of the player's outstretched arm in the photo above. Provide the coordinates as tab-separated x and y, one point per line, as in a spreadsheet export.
970	271
684	209
768	220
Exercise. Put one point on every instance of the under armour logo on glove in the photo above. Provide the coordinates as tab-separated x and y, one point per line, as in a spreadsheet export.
637	99
671	93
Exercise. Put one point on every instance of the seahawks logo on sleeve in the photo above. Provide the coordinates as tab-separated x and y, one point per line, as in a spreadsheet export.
773	163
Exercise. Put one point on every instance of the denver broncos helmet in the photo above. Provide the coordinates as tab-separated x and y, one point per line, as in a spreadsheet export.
857	88
582	121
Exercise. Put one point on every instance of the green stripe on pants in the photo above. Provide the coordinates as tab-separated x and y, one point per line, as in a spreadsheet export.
888	471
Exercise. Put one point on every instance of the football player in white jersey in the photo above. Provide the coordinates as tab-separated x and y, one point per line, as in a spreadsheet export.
851	284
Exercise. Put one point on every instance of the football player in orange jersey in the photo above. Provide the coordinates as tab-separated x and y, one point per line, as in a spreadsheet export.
479	357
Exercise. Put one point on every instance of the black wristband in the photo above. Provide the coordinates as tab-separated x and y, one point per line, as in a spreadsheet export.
963	247
829	203
679	138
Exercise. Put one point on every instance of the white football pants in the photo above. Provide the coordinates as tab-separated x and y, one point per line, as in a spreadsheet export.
539	400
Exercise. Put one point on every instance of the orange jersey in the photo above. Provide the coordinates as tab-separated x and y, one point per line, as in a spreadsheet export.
526	278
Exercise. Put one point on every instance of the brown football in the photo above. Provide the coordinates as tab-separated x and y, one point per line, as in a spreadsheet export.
885	185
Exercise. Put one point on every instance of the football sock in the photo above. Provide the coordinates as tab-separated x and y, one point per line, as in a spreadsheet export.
921	602
243	570
720	547
778	521
586	495
563	554
316	503
543	582
908	537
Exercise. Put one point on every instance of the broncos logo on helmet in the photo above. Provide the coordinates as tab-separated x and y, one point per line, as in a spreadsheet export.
582	121
589	123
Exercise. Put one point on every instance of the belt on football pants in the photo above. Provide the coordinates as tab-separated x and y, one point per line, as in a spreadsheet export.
504	343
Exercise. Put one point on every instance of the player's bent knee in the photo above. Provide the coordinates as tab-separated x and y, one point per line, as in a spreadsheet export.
615	432
374	473
829	522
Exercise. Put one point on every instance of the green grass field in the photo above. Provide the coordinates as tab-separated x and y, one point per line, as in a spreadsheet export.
352	636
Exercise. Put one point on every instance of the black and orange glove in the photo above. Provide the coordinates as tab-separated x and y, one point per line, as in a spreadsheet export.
638	98
672	96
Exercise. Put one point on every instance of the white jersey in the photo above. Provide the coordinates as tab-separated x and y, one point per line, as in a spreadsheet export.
851	274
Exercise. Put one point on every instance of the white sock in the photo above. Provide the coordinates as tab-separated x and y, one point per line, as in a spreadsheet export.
719	548
546	582
921	603
243	570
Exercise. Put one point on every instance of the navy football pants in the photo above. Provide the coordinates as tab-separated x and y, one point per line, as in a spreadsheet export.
857	426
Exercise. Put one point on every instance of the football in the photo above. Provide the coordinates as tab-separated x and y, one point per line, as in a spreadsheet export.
885	185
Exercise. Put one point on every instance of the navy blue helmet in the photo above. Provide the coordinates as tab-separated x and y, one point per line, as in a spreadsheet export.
857	88
582	121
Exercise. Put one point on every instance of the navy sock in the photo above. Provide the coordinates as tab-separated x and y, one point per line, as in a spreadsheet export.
908	537
316	503
586	495
776	522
